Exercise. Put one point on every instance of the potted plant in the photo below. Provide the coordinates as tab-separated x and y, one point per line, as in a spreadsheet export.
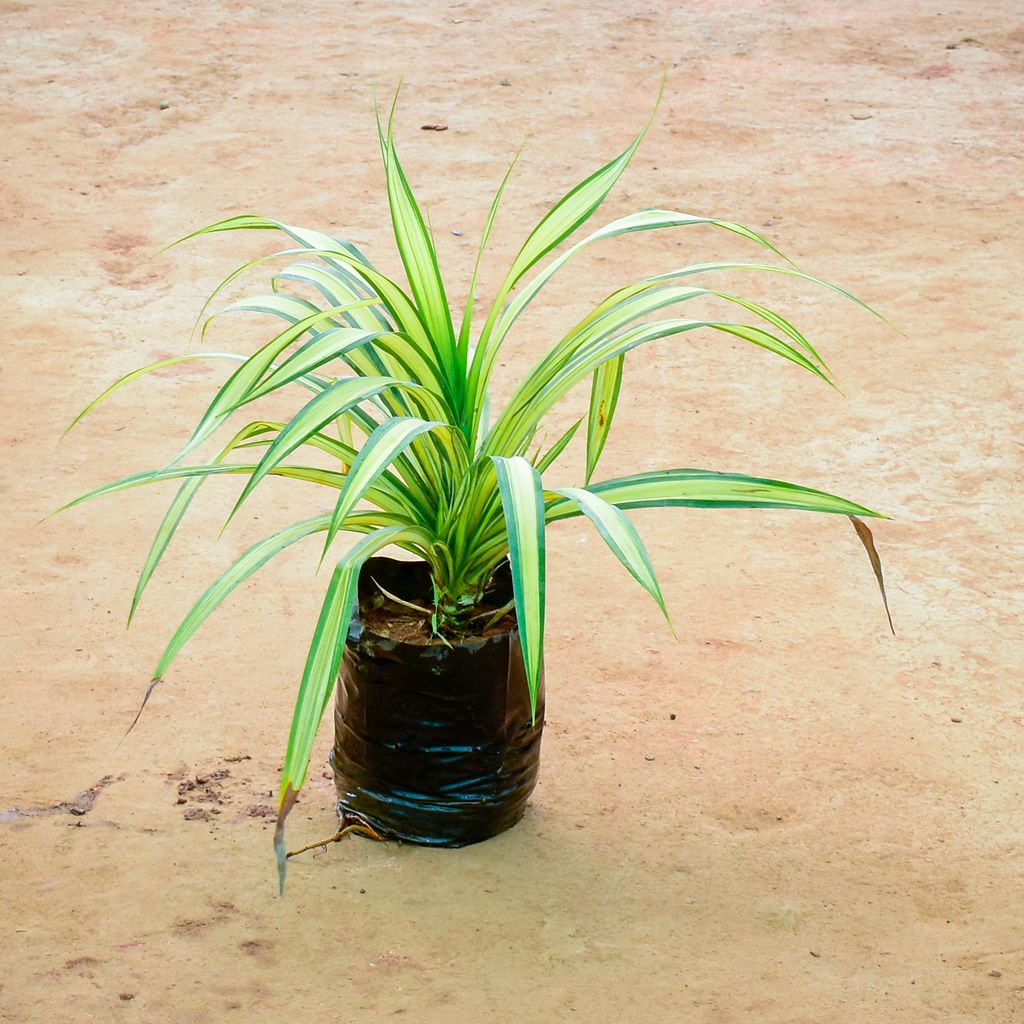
440	704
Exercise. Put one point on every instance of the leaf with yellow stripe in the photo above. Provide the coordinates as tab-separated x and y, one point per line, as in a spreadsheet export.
322	664
179	506
142	371
246	377
382	447
621	537
522	499
323	409
571	211
419	257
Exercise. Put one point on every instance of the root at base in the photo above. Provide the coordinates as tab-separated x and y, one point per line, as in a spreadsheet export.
351	824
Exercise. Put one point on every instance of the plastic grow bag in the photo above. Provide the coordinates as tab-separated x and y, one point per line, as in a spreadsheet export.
433	744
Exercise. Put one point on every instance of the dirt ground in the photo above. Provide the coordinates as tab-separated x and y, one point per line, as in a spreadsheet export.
788	815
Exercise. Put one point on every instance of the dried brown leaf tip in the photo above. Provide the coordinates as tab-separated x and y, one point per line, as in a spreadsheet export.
876	563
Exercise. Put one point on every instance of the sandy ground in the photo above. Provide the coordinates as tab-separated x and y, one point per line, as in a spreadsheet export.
788	815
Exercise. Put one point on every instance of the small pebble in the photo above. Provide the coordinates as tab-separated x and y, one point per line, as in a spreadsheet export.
957	720
671	718
456	232
126	997
646	758
505	82
814	953
995	974
164	105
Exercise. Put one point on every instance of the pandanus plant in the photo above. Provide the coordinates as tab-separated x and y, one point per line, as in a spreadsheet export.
418	458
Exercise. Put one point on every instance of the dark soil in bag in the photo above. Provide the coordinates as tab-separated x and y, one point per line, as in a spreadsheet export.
433	744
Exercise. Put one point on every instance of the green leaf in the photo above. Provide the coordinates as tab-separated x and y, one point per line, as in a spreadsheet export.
604	396
416	248
701	488
247	376
703	268
153	476
142	371
337	399
388	496
571	211
621	536
382	447
179	507
286	307
640	300
355	349
403	310
347	285
623	307
326	346
467	317
254	558
697	488
322	665
418	363
644	220
522	499
328	646
338	285
549	382
557	448
575	207
168	526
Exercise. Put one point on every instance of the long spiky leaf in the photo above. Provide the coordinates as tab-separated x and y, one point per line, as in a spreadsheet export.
523	501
